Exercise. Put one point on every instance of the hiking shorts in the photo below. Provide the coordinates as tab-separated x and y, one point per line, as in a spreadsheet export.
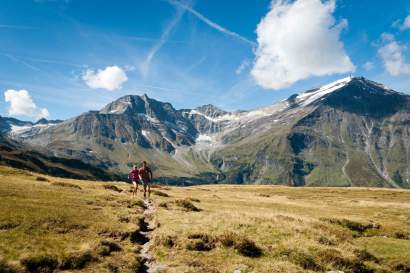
135	182
146	182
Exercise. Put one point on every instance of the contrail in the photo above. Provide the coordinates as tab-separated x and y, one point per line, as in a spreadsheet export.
211	23
163	39
16	27
15	59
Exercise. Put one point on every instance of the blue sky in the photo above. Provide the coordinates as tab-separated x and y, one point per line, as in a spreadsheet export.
191	53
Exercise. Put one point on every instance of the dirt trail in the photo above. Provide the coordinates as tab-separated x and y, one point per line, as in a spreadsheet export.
146	226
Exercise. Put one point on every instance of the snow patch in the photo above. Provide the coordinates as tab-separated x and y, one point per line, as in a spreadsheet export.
16	130
204	138
145	134
150	119
308	97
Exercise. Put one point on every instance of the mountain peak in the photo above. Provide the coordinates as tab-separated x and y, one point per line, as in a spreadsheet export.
210	110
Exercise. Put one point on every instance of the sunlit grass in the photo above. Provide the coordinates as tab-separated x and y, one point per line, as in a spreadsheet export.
296	229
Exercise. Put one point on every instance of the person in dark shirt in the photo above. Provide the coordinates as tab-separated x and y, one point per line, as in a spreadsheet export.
145	174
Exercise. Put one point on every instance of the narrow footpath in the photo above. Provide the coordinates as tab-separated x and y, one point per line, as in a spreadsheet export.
146	227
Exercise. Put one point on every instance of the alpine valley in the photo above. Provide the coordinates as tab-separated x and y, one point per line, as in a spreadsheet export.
352	132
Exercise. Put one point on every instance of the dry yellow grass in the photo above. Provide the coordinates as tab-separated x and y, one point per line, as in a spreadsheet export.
85	226
52	223
295	229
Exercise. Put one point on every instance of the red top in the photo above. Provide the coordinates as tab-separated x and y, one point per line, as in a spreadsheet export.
134	175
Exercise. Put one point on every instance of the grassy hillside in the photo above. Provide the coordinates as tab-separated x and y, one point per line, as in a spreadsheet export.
60	225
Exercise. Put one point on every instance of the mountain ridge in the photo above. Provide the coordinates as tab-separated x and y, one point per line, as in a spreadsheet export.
346	133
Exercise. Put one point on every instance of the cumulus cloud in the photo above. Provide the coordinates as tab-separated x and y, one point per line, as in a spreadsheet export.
402	25
391	53
110	78
21	104
297	40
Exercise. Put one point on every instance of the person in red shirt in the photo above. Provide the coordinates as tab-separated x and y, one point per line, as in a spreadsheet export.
134	176
146	178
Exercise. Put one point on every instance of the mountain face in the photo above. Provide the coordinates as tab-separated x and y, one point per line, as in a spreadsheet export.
352	132
21	156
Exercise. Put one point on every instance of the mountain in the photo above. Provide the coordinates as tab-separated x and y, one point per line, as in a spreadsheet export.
21	156
352	132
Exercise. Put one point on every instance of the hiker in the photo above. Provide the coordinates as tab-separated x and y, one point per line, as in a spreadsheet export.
146	178
134	176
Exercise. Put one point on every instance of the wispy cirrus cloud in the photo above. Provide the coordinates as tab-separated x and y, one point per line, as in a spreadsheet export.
211	23
20	61
144	67
402	25
17	27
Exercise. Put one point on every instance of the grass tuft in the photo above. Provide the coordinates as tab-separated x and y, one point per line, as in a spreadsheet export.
200	242
40	264
303	259
8	225
186	205
41	178
248	248
352	225
107	247
400	266
112	188
138	266
402	235
6	268
160	193
166	240
77	260
364	255
65	184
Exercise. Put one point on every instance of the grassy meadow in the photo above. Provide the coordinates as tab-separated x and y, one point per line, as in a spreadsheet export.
52	224
61	225
283	229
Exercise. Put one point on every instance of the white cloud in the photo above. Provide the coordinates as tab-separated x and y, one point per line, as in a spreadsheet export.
403	26
368	66
110	78
297	40
391	53
21	104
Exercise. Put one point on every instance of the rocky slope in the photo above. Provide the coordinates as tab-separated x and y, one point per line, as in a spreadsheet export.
352	132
